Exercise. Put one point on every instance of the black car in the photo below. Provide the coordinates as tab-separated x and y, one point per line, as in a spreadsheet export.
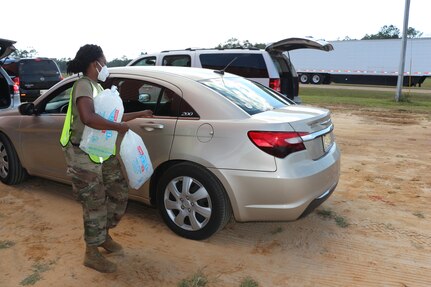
33	75
9	91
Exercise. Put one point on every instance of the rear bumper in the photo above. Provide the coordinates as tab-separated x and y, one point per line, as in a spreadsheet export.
318	201
283	195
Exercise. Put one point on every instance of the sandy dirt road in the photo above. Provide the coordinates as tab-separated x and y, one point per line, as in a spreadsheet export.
375	230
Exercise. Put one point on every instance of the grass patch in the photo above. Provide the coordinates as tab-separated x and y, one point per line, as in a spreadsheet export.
199	279
325	213
419	214
329	214
31	279
249	282
277	230
412	102
38	269
6	244
341	221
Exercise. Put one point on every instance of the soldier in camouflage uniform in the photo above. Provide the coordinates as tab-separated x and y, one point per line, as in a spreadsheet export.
102	191
97	183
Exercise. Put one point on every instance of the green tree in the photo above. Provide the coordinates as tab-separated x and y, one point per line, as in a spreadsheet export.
62	64
386	32
233	43
119	62
413	33
392	32
30	53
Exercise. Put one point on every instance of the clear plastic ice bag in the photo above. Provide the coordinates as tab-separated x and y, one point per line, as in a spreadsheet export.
136	159
109	105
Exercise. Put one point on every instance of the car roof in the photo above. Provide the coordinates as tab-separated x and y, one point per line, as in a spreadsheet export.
191	73
28	59
214	49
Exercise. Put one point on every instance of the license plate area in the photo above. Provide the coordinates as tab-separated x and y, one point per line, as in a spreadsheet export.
327	141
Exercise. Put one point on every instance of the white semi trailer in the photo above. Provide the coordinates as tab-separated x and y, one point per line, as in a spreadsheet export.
372	62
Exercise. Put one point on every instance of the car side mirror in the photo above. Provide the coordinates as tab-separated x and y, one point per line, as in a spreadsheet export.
144	98
26	109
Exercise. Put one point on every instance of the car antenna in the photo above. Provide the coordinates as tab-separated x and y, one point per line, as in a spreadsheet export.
221	72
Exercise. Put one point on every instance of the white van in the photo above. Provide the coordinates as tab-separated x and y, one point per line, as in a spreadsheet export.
270	67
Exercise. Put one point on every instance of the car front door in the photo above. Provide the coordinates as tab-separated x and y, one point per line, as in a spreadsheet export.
40	135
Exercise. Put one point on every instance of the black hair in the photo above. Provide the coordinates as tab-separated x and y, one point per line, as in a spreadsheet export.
84	57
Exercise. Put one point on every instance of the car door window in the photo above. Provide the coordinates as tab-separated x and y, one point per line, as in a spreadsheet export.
147	61
58	101
245	65
177	60
138	95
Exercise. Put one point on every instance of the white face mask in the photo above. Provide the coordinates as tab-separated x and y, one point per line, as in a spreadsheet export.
103	73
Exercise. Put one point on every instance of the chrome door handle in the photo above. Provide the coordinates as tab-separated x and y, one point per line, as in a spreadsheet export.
151	126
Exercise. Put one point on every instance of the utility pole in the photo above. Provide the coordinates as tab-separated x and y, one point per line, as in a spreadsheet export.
403	52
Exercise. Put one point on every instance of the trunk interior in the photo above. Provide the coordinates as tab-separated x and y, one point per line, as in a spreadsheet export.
5	92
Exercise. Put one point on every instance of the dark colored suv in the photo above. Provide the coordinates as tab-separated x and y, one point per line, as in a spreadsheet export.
33	75
9	91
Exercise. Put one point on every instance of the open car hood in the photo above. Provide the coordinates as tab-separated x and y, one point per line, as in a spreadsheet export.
6	47
290	44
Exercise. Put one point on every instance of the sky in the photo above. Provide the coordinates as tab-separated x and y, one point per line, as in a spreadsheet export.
57	29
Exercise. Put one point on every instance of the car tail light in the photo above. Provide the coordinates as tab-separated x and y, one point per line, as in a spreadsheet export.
16	81
16	85
275	84
278	144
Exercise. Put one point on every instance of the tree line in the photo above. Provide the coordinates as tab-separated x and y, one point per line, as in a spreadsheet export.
385	32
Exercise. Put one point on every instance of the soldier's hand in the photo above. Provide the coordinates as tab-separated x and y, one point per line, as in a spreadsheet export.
123	127
147	114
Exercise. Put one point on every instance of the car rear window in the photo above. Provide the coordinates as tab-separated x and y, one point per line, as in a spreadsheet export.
245	65
41	67
251	97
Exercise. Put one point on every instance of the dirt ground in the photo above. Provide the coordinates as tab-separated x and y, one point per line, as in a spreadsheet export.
375	230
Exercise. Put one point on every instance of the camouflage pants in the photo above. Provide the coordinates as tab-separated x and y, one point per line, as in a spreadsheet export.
102	191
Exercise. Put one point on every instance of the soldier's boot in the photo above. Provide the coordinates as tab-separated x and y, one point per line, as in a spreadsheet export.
111	246
95	260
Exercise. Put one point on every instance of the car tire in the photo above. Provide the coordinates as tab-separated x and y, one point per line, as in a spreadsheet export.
304	79
317	79
11	170
192	201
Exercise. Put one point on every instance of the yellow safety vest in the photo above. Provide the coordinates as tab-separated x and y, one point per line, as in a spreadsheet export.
65	133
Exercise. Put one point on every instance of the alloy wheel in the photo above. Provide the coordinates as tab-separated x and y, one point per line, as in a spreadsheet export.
187	203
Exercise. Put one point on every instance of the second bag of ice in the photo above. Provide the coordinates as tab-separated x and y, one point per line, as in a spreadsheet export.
109	105
136	159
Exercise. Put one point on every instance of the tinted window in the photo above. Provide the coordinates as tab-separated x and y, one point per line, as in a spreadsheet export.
177	60
139	95
249	96
148	61
41	67
245	65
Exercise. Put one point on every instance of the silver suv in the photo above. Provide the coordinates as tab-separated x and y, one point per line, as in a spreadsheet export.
270	67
